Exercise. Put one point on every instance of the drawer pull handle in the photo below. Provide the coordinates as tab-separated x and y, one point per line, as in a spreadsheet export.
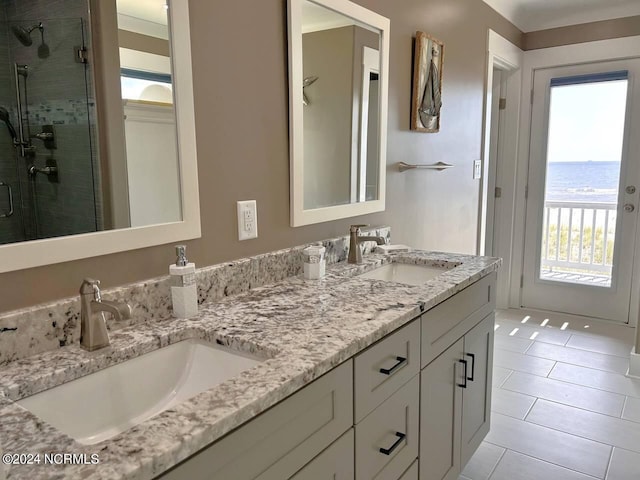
473	366
387	451
401	361
464	363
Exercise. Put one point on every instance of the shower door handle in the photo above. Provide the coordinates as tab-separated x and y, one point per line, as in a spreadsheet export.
10	193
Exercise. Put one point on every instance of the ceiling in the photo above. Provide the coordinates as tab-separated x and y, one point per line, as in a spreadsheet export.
316	17
532	15
148	17
150	10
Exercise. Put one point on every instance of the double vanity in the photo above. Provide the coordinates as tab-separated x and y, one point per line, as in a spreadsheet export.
377	371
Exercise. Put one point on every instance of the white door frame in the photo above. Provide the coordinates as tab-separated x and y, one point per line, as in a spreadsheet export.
589	52
505	56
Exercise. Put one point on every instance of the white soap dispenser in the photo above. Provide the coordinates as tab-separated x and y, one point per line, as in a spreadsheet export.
184	292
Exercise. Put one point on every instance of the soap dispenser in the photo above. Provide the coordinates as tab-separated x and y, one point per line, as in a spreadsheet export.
184	292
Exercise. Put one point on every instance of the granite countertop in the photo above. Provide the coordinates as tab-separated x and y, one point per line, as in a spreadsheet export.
303	328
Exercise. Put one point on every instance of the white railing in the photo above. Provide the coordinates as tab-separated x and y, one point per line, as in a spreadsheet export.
578	237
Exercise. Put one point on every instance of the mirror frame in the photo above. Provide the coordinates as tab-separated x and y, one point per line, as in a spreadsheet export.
18	256
300	216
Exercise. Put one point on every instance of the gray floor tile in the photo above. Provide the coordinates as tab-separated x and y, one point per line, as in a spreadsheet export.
632	409
567	393
563	449
611	382
483	462
500	375
625	465
514	466
594	426
606	345
510	403
514	344
580	357
522	363
527	331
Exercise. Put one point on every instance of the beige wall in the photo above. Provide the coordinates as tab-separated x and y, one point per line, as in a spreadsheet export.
586	32
328	54
240	69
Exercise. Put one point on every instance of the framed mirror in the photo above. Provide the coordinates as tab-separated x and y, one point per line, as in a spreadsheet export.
97	129
338	93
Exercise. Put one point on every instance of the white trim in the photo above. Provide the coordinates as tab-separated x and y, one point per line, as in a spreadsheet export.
367	19
602	50
634	364
505	56
55	250
370	63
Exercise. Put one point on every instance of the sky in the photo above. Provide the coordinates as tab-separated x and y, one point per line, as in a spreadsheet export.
586	122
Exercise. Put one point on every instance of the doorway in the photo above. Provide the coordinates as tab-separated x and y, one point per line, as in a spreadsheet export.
580	223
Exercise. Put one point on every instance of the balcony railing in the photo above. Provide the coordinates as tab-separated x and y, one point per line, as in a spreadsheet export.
577	242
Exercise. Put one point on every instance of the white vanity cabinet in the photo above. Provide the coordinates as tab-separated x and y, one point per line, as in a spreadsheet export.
455	401
416	404
335	463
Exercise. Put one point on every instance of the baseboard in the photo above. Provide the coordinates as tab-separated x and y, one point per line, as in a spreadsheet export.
634	364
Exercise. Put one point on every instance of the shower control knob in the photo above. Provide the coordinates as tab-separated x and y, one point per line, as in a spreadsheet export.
629	208
631	189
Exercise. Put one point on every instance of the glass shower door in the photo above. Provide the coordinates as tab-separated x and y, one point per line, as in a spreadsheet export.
53	110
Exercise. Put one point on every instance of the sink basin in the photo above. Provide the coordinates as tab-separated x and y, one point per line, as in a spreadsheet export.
404	273
103	404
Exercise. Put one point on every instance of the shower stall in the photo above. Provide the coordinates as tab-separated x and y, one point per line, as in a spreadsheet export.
49	172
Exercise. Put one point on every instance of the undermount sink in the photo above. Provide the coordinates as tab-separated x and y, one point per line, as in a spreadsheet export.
98	406
404	273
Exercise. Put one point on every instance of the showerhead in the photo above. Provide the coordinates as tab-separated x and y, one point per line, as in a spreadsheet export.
4	117
24	34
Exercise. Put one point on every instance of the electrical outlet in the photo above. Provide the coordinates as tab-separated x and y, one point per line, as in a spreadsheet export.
247	220
477	169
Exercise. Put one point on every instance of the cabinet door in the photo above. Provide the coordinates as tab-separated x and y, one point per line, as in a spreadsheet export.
476	401
412	473
441	415
335	463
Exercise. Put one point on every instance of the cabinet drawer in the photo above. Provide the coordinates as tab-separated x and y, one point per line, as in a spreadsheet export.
279	442
335	463
385	367
412	473
447	322
392	427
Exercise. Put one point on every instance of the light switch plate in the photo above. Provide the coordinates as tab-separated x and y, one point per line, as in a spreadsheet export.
477	169
247	220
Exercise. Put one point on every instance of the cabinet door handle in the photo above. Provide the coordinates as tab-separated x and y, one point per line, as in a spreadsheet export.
401	361
387	451
464	363
473	366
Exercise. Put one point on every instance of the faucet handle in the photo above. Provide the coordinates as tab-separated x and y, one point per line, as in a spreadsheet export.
90	285
356	228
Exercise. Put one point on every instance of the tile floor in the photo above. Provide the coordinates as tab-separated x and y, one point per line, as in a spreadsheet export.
563	408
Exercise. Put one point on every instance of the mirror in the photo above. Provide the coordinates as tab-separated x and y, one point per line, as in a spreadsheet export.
97	131
338	110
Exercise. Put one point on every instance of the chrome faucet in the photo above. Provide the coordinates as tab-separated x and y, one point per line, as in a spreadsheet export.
355	253
93	329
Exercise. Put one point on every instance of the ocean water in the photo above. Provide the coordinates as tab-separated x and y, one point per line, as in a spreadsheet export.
583	181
